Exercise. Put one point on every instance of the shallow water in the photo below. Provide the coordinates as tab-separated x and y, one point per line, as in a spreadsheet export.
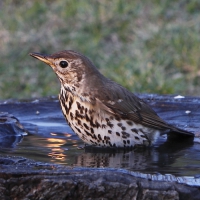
50	139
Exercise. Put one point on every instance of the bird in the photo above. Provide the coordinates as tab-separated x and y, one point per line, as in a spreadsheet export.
100	111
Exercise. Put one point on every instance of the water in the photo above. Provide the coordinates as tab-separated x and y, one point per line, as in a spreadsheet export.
64	149
51	140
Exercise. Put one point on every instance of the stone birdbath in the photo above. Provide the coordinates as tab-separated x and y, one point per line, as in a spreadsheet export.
41	157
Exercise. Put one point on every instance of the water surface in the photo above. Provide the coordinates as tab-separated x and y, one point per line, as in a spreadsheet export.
50	139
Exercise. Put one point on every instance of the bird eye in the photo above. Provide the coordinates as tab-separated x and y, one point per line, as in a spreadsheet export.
63	64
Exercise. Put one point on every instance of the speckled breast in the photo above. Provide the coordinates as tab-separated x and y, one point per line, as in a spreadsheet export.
101	129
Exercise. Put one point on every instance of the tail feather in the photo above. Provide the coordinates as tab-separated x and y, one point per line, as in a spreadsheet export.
178	131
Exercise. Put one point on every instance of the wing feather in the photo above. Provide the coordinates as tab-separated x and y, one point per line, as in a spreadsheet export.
130	107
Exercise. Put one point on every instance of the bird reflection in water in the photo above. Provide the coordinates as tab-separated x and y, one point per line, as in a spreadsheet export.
122	159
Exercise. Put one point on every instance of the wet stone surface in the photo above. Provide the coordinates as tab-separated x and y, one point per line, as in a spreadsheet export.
21	178
11	131
135	173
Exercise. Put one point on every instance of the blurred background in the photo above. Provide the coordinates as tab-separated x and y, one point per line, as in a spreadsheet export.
146	46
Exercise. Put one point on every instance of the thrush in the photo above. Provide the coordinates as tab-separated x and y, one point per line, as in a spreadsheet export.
100	111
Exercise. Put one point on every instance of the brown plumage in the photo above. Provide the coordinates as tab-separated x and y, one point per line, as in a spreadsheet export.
99	110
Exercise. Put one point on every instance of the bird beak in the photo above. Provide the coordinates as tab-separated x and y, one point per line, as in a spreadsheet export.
41	57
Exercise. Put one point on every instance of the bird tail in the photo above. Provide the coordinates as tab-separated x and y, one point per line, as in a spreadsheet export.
176	132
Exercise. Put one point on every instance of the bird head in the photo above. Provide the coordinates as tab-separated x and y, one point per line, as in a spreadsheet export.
72	68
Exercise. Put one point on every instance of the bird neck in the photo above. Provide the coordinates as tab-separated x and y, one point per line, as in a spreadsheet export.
73	91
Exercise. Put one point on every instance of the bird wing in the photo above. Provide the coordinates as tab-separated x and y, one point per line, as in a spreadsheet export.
125	104
115	99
